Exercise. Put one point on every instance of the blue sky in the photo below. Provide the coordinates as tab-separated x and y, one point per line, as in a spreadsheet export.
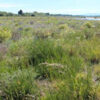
52	6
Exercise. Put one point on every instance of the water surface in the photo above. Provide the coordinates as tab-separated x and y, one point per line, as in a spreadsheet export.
88	18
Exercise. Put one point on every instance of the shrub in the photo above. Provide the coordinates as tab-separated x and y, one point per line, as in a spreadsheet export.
43	34
44	51
97	73
19	53
51	70
88	25
81	90
63	26
5	34
79	87
98	92
18	86
17	62
88	33
90	53
16	35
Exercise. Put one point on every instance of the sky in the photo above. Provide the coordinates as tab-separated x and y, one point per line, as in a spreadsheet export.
52	6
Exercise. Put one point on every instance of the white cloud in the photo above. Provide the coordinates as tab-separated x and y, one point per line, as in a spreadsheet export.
70	11
7	5
59	11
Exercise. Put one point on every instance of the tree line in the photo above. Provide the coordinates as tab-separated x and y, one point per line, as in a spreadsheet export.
21	13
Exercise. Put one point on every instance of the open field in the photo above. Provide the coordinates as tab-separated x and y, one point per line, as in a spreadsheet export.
49	58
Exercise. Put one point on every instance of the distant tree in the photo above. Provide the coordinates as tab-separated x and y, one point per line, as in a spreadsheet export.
35	13
1	14
20	12
32	15
10	14
47	14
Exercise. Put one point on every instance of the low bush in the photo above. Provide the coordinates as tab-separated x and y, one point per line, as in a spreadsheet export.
88	25
18	86
5	34
51	71
44	51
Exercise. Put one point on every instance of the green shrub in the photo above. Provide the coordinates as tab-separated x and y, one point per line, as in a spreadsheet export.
44	51
88	33
63	26
19	53
88	25
5	34
51	70
17	62
19	86
90	53
73	88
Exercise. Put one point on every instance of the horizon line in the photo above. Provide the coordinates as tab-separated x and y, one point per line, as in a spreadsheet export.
16	12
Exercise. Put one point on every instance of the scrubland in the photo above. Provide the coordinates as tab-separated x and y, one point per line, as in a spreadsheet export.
49	58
